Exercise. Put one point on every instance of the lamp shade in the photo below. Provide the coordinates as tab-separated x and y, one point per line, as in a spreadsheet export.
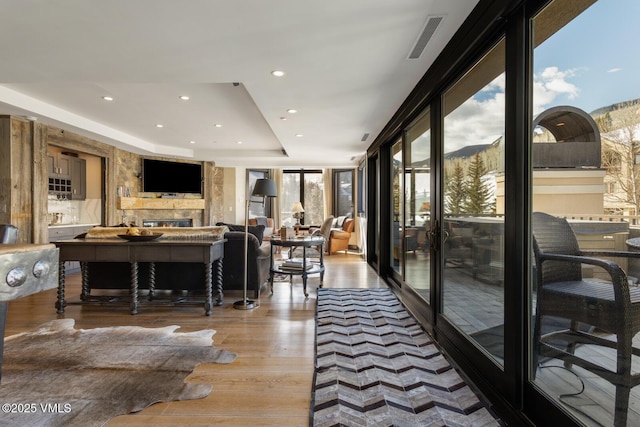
297	207
265	188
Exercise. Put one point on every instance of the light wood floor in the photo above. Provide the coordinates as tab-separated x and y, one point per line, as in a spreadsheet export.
269	384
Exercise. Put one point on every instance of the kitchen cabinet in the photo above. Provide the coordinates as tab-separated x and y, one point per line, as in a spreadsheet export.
59	165
67	176
78	179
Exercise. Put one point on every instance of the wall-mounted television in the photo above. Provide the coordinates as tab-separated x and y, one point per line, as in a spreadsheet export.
161	176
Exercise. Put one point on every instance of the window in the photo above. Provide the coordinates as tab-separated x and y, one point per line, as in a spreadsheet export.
343	192
397	206
360	190
418	205
307	187
589	102
474	182
258	208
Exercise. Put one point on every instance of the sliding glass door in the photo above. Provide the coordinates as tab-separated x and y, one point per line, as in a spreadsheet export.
586	156
397	208
417	223
473	218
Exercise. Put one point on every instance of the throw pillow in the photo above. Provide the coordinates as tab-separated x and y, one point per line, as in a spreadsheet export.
256	230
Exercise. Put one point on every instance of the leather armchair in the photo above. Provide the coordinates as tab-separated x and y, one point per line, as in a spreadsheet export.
339	239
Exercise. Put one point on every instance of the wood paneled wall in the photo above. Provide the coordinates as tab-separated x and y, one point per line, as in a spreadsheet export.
24	176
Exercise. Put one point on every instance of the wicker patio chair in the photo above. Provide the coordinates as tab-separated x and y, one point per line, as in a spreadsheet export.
611	307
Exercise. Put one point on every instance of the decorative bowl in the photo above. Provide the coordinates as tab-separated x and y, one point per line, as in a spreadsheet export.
140	238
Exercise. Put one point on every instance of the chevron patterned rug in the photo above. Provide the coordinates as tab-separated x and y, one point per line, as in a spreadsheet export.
375	366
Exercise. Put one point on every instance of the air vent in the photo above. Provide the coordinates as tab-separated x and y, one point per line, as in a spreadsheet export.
427	32
365	137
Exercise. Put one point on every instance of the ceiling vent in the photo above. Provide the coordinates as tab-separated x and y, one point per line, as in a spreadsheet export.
427	32
365	137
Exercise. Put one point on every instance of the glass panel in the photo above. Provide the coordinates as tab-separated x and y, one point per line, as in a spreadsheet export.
585	194
473	168
290	194
311	196
313	199
396	205
344	193
257	207
418	200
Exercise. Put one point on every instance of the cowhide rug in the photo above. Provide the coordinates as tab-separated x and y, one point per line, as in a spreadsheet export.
58	375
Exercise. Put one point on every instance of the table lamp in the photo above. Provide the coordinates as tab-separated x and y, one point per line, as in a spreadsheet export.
298	212
263	188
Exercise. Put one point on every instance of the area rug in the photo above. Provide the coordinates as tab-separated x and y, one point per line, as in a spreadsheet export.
375	366
61	376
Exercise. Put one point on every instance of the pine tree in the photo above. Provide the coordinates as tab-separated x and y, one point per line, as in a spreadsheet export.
478	200
456	191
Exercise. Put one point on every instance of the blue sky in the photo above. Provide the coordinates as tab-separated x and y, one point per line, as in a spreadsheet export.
591	62
597	53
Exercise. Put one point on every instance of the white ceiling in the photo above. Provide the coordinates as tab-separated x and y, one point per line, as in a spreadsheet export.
346	68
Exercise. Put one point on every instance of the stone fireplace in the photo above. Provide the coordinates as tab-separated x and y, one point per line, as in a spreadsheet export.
188	222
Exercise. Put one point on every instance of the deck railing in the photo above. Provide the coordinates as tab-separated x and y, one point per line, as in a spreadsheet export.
633	220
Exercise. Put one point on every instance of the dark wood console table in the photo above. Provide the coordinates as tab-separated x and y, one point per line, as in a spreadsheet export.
206	252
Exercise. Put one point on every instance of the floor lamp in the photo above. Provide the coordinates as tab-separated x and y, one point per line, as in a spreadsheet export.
263	188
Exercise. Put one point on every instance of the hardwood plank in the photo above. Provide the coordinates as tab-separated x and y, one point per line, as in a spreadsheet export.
270	381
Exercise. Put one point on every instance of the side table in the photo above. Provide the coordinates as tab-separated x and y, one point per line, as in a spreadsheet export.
307	268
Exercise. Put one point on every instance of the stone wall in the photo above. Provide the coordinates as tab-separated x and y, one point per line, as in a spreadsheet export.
129	178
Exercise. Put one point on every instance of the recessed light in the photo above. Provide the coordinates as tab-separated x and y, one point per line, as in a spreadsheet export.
218	125
283	118
184	97
277	73
107	98
239	142
299	135
192	142
159	125
292	111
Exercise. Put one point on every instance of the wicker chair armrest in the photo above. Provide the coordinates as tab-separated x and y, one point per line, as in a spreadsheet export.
618	254
610	266
618	276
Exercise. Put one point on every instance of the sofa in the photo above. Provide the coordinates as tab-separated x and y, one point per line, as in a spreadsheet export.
187	277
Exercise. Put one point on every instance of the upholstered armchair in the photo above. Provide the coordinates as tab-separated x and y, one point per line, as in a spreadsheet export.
268	225
339	239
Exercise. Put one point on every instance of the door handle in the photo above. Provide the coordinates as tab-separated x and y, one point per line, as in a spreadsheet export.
433	236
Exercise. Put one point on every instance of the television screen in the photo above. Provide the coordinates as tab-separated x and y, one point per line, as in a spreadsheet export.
160	176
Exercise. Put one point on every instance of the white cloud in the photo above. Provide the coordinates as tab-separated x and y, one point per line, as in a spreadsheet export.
480	119
614	70
551	83
477	121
